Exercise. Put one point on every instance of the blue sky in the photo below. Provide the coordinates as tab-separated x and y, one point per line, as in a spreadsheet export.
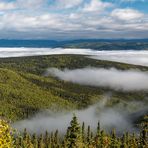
73	19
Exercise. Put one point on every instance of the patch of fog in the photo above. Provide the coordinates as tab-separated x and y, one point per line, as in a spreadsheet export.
19	52
129	57
124	56
127	80
109	118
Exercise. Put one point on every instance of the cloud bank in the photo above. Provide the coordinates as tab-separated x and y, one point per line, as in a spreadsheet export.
65	19
129	80
18	52
128	56
109	118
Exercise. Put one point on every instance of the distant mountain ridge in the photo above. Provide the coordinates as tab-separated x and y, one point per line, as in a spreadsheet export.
97	44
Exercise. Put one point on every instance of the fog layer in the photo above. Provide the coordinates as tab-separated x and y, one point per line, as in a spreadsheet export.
19	52
127	56
115	117
128	80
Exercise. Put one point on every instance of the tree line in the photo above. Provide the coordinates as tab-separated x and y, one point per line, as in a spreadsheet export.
77	136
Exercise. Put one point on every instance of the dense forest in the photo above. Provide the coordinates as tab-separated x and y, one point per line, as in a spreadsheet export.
26	91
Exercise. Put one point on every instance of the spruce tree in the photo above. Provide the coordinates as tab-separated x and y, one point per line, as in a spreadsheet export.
74	139
51	138
25	134
29	143
124	145
114	141
41	142
98	129
34	141
102	145
143	137
133	143
56	140
88	135
47	139
127	138
98	135
83	132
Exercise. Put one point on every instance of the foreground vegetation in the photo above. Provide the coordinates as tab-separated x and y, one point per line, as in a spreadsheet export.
76	137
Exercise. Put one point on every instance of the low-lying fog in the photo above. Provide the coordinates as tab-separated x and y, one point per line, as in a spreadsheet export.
127	80
127	56
110	117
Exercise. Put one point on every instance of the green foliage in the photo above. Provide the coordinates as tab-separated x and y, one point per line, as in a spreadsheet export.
73	139
22	98
39	64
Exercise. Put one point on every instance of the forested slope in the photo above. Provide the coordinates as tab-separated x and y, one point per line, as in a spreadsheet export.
24	90
21	97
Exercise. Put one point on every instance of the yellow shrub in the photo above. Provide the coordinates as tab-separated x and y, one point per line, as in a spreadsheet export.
5	135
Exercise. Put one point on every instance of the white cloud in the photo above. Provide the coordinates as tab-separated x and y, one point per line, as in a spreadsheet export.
7	6
66	4
96	5
127	56
30	4
21	4
128	80
132	0
127	1
126	14
21	22
37	19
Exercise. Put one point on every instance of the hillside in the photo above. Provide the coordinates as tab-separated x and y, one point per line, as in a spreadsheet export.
24	90
21	97
109	45
39	64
